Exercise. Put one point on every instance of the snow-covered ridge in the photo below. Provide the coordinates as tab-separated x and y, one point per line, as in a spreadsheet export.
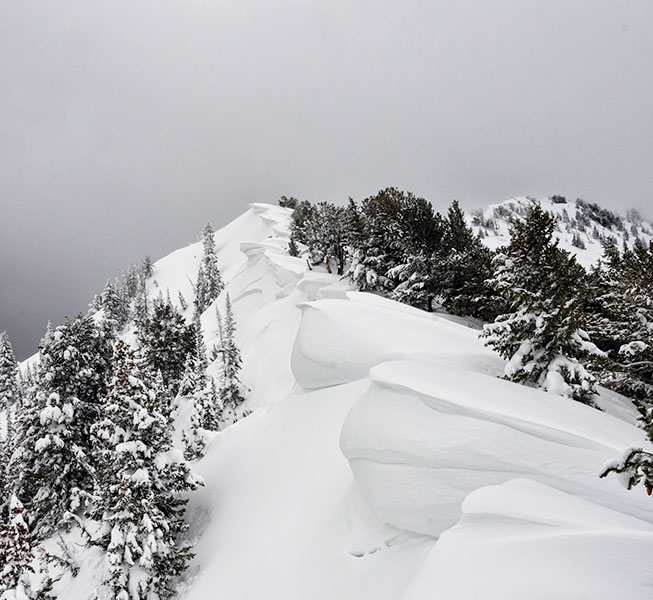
581	225
384	459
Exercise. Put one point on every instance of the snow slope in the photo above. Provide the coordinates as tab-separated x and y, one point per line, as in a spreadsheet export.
585	223
384	459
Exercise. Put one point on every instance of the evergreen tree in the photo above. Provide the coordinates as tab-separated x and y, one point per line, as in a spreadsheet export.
206	416
464	270
115	306
16	554
9	389
140	478
147	267
621	323
141	307
230	388
326	236
293	249
400	233
51	469
541	335
165	340
209	280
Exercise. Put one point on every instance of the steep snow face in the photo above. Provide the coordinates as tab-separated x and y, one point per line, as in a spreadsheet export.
581	226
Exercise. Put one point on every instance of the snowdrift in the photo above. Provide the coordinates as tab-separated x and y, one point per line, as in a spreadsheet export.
339	342
523	539
423	437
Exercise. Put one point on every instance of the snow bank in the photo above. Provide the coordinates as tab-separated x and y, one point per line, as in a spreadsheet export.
523	539
272	514
422	437
340	340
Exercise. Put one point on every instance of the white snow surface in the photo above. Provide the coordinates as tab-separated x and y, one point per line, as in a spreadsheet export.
384	459
498	219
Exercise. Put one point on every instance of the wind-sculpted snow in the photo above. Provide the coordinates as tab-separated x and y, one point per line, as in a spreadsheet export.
426	432
340	340
422	437
523	540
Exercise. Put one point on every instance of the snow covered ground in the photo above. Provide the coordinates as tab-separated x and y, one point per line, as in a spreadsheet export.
494	222
385	460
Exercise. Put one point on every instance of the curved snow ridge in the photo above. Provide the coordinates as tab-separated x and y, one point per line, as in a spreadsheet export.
422	438
271	212
340	340
532	410
522	539
316	285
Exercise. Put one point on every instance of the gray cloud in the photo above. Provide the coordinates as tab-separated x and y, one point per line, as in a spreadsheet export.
125	126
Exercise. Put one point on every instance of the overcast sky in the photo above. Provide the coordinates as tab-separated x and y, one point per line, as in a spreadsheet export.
125	126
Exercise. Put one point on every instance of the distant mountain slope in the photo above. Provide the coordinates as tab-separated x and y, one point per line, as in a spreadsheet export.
581	225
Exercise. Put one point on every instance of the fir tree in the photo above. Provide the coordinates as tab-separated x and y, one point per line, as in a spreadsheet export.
115	306
206	416
141	307
400	233
541	335
9	389
230	387
621	323
165	340
464	270
51	468
139	478
16	553
209	280
147	267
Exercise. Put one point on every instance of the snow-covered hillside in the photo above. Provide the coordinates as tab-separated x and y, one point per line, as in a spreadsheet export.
384	459
581	225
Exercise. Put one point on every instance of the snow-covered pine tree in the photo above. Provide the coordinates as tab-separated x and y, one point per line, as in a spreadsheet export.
115	306
381	247
541	335
51	469
16	554
209	280
206	416
188	383
9	389
140	476
141	306
165	340
465	269
230	387
147	267
621	320
400	234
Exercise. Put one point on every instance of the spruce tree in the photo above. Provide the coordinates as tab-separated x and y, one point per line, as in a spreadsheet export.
541	335
464	269
165	340
115	306
206	416
147	267
209	280
16	554
140	477
230	386
51	466
9	389
400	233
